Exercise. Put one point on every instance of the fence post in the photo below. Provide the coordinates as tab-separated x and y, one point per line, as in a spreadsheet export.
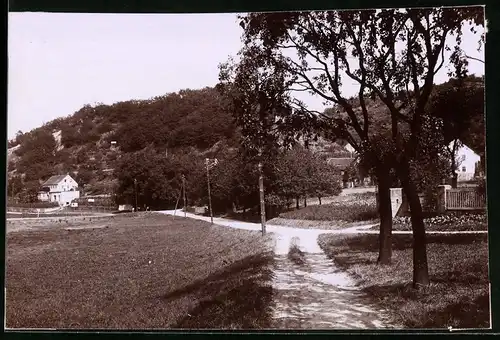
442	204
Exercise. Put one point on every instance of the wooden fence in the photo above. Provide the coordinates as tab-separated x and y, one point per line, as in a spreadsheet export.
465	199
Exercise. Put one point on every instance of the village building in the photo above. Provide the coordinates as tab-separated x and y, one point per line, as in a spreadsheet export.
467	161
61	189
347	164
342	164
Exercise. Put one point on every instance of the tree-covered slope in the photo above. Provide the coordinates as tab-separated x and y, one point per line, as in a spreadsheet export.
80	144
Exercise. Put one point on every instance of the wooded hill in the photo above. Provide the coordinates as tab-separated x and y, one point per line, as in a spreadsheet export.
80	144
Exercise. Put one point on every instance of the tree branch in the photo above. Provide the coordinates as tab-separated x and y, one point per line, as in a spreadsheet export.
334	86
472	58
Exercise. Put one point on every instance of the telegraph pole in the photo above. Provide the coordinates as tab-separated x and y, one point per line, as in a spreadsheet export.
184	194
261	194
207	163
135	189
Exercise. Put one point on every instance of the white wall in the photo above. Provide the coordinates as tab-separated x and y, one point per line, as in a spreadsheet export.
350	148
466	160
66	184
64	197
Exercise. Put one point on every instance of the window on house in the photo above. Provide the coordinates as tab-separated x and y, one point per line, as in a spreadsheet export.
463	169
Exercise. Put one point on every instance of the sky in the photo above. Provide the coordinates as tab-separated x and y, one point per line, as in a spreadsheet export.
59	62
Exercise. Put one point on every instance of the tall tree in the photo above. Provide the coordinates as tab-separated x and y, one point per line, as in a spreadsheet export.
392	55
459	103
257	98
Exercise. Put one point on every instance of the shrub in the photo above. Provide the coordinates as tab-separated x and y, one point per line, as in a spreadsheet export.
34	205
430	200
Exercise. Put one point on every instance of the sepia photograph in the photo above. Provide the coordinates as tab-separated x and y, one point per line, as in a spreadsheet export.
306	170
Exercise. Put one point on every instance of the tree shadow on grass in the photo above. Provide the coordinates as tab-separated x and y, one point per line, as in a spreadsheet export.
238	297
464	314
459	311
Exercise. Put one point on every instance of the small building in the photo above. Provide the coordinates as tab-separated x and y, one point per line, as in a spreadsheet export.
467	160
350	149
62	189
125	207
342	164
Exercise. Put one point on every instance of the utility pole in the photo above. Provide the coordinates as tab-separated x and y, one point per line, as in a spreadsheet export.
261	194
207	164
135	189
184	194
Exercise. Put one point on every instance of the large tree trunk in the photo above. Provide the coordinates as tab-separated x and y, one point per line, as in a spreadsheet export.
305	201
385	213
297	205
420	267
454	180
319	199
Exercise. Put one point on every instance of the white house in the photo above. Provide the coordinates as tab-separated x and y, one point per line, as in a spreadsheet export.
466	160
350	149
61	188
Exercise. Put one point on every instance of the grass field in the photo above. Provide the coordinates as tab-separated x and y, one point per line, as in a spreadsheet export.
349	208
138	271
458	266
323	225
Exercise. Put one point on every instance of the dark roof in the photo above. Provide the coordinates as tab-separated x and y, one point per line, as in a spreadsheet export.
54	180
340	162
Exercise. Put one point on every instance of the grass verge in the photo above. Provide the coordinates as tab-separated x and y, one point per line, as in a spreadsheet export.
146	271
473	221
458	266
322	225
351	208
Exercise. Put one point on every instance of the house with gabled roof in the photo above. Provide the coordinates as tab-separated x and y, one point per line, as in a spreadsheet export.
60	188
343	163
466	160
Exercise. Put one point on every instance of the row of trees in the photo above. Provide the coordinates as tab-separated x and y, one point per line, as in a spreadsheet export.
392	55
289	176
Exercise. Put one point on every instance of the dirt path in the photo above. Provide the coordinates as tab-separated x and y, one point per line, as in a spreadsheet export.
316	295
313	294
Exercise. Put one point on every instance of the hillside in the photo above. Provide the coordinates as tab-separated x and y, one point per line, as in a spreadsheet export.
80	144
187	126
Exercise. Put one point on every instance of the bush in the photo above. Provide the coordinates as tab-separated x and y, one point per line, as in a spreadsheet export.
430	200
35	205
